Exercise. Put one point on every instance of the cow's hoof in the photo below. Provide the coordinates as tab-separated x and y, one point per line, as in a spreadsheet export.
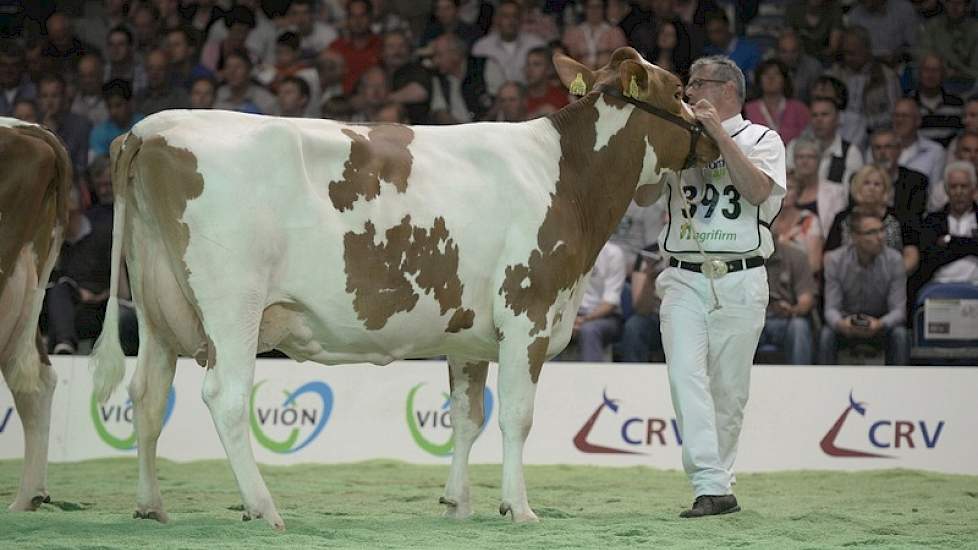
272	519
155	515
453	510
22	505
526	516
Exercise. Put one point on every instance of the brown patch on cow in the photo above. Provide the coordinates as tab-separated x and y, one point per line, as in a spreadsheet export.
536	354
499	334
381	155
474	391
461	319
378	274
592	193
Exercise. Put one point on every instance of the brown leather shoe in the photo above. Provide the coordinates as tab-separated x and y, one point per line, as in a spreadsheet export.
711	505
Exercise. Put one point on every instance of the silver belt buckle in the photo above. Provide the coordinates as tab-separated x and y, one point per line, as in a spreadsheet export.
714	269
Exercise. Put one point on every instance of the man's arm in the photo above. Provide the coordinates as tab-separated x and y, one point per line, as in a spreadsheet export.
413	92
833	291
896	299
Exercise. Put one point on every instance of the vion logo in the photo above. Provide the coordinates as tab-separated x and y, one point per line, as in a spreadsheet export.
634	431
881	434
5	418
289	425
429	421
114	421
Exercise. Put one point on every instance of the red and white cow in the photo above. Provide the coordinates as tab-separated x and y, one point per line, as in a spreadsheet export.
35	177
342	243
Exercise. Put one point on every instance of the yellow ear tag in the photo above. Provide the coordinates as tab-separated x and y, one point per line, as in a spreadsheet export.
633	91
578	86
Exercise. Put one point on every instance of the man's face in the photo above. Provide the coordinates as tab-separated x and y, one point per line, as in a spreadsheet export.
177	47
868	236
51	97
301	16
854	54
25	111
446	12
931	73
374	88
144	26
397	51
102	185
90	76
537	69
236	72
886	150
955	9
11	71
238	35
971	117
703	84
825	119
960	191
330	66
508	22
358	20
59	30
718	33
156	66
789	50
968	148
285	55
202	95
120	111
118	47
290	98
906	119
445	57
512	107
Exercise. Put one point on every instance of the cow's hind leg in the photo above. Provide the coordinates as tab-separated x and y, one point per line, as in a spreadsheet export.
34	410
227	388
520	361
149	390
468	382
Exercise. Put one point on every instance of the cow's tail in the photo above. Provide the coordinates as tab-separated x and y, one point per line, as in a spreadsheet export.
25	373
107	360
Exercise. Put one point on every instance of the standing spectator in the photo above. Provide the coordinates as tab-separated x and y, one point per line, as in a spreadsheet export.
203	93
181	48
331	69
260	41
774	107
870	188
88	101
239	92
240	21
865	294
542	95
293	97
949	239
93	28
510	103
819	25
806	202
288	62
802	68
909	196
873	87
892	26
159	95
968	149
940	111
917	152
145	19
14	84
839	158
314	36
73	129
445	20
642	336
410	82
788	324
359	46
118	99
63	48
852	124
461	90
953	36
370	95
970	121
669	50
721	41
588	41
506	45
598	321
122	63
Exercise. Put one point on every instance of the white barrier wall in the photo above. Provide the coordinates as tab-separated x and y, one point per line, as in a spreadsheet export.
842	418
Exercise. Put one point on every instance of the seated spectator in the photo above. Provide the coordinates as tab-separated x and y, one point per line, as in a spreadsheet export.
203	93
949	238
819	26
917	152
641	339
122	63
873	87
74	130
804	202
788	325
145	22
239	92
506	45
88	101
598	321
852	124
720	40
839	158
968	149
803	69
510	105
445	20
774	107
865	295
588	41
331	69
970	121
181	49
314	36
665	39
393	113
260	40
359	46
542	95
371	94
909	196
892	26
410	82
14	82
62	47
293	97
288	63
870	189
159	94
122	117
26	110
461	88
940	112
953	36
240	21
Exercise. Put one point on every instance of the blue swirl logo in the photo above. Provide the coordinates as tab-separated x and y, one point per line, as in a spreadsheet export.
308	419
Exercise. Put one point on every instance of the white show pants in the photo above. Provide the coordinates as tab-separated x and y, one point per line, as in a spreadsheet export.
709	356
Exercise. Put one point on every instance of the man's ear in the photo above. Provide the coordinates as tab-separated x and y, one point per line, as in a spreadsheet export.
634	80
578	79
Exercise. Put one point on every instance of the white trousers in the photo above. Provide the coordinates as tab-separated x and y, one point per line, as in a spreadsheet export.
710	354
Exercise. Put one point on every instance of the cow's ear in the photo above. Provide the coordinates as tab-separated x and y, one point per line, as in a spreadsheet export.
578	78
622	54
634	80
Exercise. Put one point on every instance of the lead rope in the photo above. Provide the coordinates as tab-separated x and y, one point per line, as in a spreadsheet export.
706	257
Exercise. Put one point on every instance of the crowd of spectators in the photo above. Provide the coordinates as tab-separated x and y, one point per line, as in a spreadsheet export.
876	101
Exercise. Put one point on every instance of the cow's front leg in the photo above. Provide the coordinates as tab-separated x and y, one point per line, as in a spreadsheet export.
520	363
468	382
34	409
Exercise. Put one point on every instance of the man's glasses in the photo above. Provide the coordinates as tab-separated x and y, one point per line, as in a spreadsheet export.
876	231
700	82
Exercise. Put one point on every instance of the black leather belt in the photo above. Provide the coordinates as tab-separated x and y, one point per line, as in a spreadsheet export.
732	265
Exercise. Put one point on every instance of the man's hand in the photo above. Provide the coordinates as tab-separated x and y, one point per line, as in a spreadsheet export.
706	114
784	309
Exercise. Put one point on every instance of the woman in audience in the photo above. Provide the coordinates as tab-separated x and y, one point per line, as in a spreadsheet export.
825	200
774	107
799	226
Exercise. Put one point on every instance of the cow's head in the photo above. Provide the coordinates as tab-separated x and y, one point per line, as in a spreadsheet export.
631	79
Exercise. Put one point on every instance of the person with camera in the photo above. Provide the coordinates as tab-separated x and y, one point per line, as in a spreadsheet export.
865	294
